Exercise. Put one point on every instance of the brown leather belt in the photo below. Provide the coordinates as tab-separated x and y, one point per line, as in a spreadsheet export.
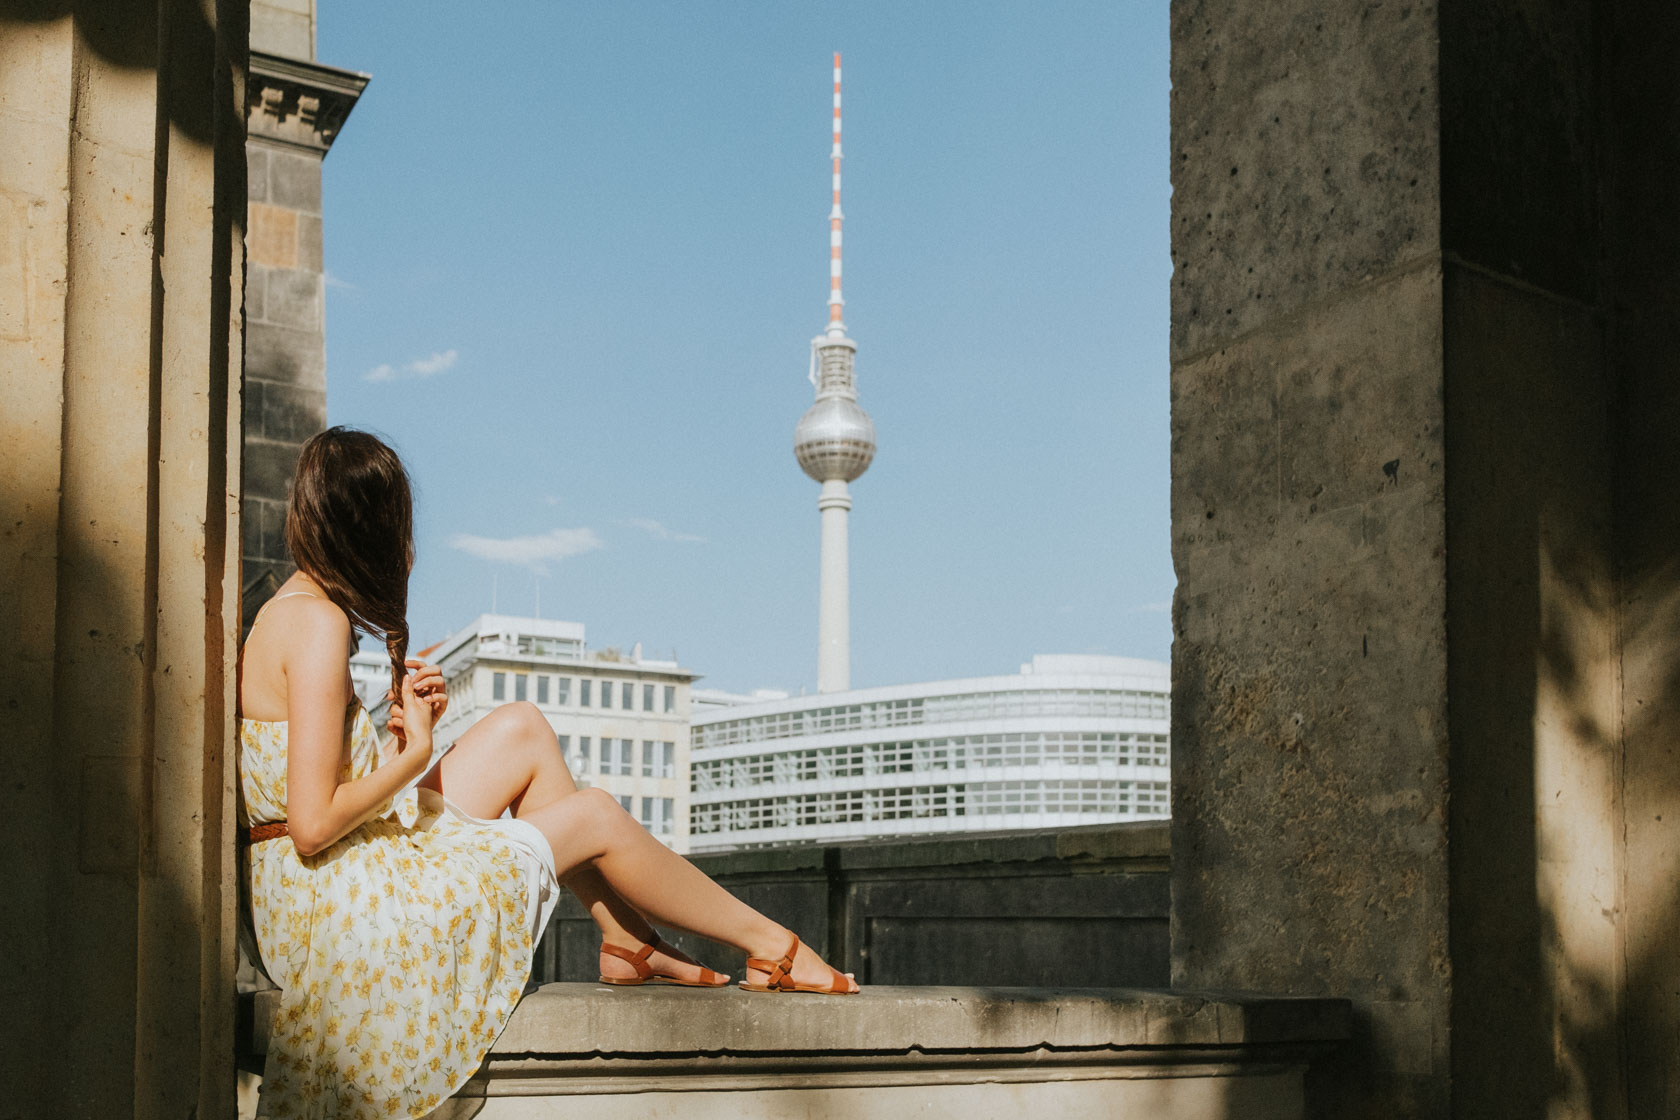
272	830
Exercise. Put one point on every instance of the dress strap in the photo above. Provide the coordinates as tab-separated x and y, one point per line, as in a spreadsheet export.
277	598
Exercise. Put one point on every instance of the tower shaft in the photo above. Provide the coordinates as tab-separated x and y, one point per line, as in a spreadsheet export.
834	623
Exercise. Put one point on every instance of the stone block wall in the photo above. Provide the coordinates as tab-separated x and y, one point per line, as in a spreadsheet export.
284	27
295	109
286	377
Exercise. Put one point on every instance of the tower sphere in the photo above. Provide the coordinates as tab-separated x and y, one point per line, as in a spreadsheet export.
834	440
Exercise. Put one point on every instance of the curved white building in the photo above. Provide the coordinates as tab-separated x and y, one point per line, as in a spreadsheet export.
1068	740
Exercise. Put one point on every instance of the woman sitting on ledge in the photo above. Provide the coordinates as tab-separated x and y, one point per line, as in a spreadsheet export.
392	903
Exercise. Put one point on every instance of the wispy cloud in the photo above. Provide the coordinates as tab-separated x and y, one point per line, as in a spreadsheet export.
441	361
535	553
649	525
332	281
1153	608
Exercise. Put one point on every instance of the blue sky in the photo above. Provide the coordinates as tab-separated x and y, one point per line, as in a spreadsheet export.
576	255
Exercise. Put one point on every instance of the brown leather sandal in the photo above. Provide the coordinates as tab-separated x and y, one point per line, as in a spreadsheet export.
645	973
781	976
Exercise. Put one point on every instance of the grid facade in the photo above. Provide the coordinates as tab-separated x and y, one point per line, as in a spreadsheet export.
622	721
1044	748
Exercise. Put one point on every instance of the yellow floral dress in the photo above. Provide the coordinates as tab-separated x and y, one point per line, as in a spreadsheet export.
400	950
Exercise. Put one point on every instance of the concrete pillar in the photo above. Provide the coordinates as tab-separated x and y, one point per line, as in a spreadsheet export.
1642	139
1422	345
121	223
295	109
834	623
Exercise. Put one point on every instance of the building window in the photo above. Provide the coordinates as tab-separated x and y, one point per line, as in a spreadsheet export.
542	690
667	816
626	756
583	692
562	691
607	756
628	691
648	810
670	698
583	752
647	698
647	758
566	746
520	683
498	686
606	694
627	801
667	760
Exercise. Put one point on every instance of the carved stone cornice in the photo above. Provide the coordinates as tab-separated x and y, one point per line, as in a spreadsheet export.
298	103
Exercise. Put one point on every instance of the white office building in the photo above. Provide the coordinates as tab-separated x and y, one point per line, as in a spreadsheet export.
1068	740
621	718
370	675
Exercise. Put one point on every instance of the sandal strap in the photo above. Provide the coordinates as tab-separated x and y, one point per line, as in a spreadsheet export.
707	976
781	972
840	984
638	959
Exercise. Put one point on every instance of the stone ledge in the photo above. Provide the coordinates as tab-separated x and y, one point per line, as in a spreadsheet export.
574	1021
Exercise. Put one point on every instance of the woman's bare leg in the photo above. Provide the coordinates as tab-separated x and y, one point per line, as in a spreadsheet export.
510	759
591	826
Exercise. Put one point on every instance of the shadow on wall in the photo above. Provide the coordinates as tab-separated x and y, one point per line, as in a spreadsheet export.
1616	1012
125	34
1565	893
1607	913
1535	837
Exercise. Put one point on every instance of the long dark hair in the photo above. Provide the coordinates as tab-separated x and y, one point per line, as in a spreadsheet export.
350	528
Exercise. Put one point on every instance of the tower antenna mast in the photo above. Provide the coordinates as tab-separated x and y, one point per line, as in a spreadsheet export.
835	443
836	328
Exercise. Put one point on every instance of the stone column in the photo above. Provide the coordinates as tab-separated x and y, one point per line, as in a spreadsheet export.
121	228
1422	344
296	107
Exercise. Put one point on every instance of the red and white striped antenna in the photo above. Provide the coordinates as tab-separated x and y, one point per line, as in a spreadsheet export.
835	326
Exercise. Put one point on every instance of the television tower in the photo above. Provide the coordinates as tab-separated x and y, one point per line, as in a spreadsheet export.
834	442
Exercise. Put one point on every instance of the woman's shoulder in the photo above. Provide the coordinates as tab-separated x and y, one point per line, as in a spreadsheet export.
298	621
298	636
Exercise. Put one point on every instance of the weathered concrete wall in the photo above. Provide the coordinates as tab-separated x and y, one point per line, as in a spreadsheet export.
1308	437
121	215
1419	340
1084	906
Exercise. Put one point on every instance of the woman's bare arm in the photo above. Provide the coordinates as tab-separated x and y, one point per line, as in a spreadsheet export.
319	808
